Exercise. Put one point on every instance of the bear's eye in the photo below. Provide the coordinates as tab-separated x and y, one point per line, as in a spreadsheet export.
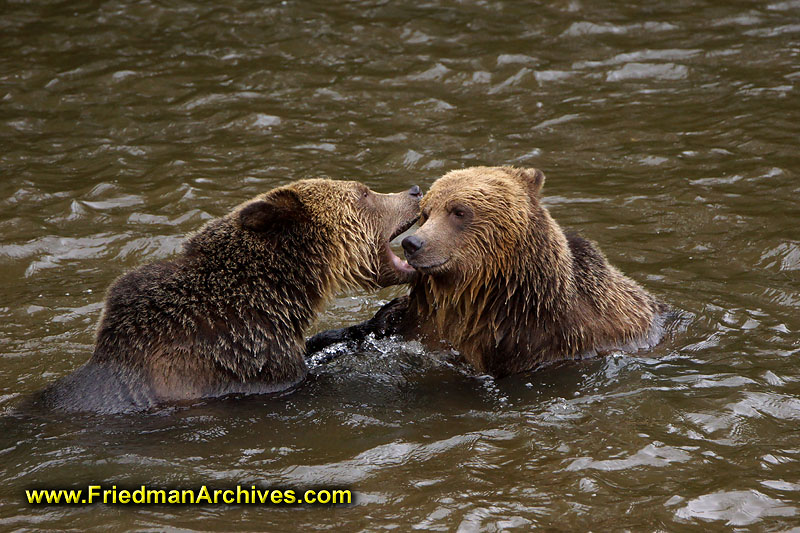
458	213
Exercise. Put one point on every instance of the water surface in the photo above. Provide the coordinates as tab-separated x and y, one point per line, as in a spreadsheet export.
668	133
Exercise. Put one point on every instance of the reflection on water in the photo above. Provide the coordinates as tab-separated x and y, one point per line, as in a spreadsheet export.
668	133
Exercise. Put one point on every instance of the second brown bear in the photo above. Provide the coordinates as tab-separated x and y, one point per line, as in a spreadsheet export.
227	314
500	281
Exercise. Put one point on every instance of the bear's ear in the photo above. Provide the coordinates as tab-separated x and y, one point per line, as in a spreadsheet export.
275	209
534	181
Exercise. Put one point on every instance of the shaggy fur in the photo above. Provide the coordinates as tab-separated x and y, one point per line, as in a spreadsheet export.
228	314
502	283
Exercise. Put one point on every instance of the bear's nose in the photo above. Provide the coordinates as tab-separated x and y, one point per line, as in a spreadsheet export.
412	244
415	191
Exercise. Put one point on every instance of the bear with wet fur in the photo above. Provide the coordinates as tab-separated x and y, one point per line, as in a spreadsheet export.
227	315
500	282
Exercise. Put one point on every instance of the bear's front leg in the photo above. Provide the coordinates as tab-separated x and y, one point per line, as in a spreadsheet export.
386	322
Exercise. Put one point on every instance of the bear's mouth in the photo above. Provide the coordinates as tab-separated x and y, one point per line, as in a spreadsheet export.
399	265
431	269
402	227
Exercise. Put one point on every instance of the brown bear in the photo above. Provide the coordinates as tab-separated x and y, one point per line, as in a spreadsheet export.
503	285
228	314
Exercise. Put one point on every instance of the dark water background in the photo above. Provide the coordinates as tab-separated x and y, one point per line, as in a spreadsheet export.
668	132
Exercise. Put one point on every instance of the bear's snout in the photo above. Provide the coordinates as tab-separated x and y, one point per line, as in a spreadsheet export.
415	191
412	245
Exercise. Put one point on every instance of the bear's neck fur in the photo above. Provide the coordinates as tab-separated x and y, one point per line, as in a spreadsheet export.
551	297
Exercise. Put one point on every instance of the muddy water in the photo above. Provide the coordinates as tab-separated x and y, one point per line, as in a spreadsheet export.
669	135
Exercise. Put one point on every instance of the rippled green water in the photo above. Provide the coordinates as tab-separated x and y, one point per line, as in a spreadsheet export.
668	132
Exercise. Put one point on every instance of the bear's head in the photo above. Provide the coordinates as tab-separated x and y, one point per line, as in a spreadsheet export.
474	220
341	224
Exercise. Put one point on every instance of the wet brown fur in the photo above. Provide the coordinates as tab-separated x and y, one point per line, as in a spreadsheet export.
228	314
